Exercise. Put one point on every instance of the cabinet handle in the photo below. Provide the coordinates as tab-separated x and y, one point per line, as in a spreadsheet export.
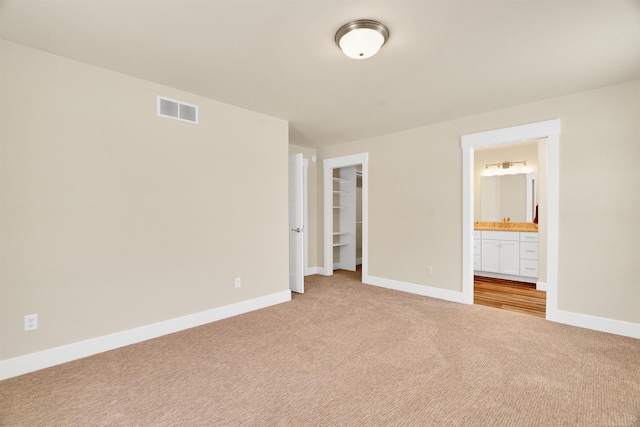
529	268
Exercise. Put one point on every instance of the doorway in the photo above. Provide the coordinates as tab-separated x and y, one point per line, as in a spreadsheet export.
549	130
342	175
508	274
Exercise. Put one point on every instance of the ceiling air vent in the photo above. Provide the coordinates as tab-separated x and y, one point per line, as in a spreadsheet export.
177	110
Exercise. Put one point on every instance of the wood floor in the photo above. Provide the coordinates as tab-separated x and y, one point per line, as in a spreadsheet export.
509	295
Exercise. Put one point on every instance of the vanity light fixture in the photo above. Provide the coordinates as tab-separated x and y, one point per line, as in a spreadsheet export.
505	168
362	38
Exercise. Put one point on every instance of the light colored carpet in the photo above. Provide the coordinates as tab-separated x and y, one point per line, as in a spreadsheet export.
346	354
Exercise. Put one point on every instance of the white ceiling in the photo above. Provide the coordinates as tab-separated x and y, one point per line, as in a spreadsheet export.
444	59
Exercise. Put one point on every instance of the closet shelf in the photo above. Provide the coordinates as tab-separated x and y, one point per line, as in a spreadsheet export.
340	233
340	207
339	244
340	192
340	179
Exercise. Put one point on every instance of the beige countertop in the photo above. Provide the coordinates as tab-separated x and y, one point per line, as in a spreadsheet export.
509	226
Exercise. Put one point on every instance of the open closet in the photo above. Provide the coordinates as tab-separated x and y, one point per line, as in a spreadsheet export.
347	218
345	195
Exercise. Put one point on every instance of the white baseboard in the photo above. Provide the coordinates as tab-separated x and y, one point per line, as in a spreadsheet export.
427	291
314	270
617	327
541	286
602	324
44	359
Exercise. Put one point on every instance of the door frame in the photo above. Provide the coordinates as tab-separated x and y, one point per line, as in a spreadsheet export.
329	165
551	131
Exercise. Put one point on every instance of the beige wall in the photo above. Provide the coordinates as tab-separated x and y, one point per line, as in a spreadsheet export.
119	218
415	199
114	218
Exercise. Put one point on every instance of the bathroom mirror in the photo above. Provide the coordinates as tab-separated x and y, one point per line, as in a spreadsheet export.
508	196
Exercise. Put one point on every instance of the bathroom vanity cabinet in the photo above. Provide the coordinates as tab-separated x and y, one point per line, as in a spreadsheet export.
506	254
501	252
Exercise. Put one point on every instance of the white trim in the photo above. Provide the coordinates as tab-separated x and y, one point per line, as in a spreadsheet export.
553	208
541	286
511	135
602	324
343	162
468	232
305	214
44	359
314	270
329	165
412	288
549	130
336	265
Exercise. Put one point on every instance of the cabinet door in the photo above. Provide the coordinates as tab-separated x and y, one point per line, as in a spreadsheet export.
509	257
491	256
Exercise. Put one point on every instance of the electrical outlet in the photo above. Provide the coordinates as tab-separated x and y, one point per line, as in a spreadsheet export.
429	270
237	282
30	322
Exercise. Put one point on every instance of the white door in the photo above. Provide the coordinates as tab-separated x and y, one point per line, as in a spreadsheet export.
491	256
296	226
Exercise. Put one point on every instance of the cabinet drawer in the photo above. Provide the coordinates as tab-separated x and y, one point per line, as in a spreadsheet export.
477	262
477	247
528	250
526	236
529	267
501	235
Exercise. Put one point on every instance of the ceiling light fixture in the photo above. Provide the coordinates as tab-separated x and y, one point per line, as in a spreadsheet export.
362	38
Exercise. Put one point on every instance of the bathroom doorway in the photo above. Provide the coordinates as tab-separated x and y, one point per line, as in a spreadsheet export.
506	196
549	132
